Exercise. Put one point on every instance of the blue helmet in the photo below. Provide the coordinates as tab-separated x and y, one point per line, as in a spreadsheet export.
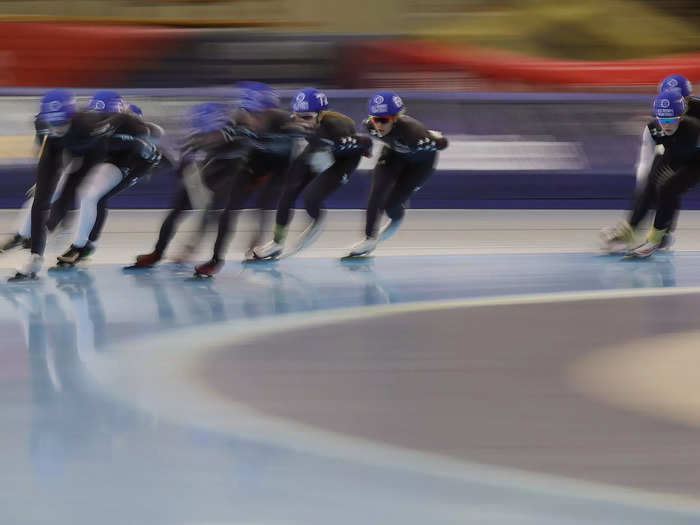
57	106
668	104
309	100
135	110
209	116
257	96
676	83
384	104
107	101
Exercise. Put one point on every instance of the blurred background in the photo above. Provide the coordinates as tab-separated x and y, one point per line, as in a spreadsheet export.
543	88
465	45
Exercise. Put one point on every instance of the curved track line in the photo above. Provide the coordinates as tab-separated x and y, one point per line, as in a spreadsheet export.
162	375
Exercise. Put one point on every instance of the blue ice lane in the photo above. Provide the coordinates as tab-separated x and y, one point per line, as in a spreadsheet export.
70	455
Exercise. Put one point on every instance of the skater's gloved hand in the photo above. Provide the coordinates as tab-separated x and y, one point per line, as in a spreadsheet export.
440	141
150	153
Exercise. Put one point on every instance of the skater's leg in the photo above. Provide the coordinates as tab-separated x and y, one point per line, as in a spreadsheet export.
240	190
167	229
298	178
99	182
267	199
668	197
327	183
384	176
102	208
410	181
64	197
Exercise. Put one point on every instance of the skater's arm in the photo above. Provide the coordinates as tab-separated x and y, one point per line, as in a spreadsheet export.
647	152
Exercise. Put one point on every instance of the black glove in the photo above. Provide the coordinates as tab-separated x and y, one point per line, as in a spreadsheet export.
149	152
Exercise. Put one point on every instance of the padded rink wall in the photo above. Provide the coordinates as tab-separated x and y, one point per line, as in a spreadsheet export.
534	150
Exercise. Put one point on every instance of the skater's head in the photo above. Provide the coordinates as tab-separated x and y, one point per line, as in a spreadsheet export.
107	101
135	110
256	97
307	106
677	83
207	117
57	108
384	108
668	107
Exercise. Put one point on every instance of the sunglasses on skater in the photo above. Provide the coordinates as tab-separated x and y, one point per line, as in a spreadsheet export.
668	120
381	120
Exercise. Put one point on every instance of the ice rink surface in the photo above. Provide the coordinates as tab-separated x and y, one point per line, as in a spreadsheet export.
482	368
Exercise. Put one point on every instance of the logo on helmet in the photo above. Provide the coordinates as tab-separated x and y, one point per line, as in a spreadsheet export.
300	97
397	101
54	105
378	99
99	104
665	103
672	83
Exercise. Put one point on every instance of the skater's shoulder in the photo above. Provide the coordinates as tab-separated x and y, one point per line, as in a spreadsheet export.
693	107
691	122
129	124
331	119
276	120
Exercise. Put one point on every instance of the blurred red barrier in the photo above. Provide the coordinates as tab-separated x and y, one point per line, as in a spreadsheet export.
394	55
51	54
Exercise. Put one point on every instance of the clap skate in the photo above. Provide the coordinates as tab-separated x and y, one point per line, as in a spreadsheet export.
74	255
208	269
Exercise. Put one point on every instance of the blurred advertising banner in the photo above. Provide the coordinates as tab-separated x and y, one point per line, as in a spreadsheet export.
92	55
34	54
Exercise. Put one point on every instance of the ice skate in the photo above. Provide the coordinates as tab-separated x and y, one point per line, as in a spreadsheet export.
30	270
16	241
146	260
74	255
668	240
390	229
307	237
616	239
643	251
208	269
268	252
363	248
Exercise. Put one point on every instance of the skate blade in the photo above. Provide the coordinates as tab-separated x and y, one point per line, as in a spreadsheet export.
20	278
137	268
199	277
359	257
258	260
62	267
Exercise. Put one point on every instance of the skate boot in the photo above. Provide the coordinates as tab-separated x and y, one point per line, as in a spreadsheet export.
643	251
268	252
308	236
616	239
363	248
15	241
209	268
75	254
146	260
30	270
390	229
668	241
